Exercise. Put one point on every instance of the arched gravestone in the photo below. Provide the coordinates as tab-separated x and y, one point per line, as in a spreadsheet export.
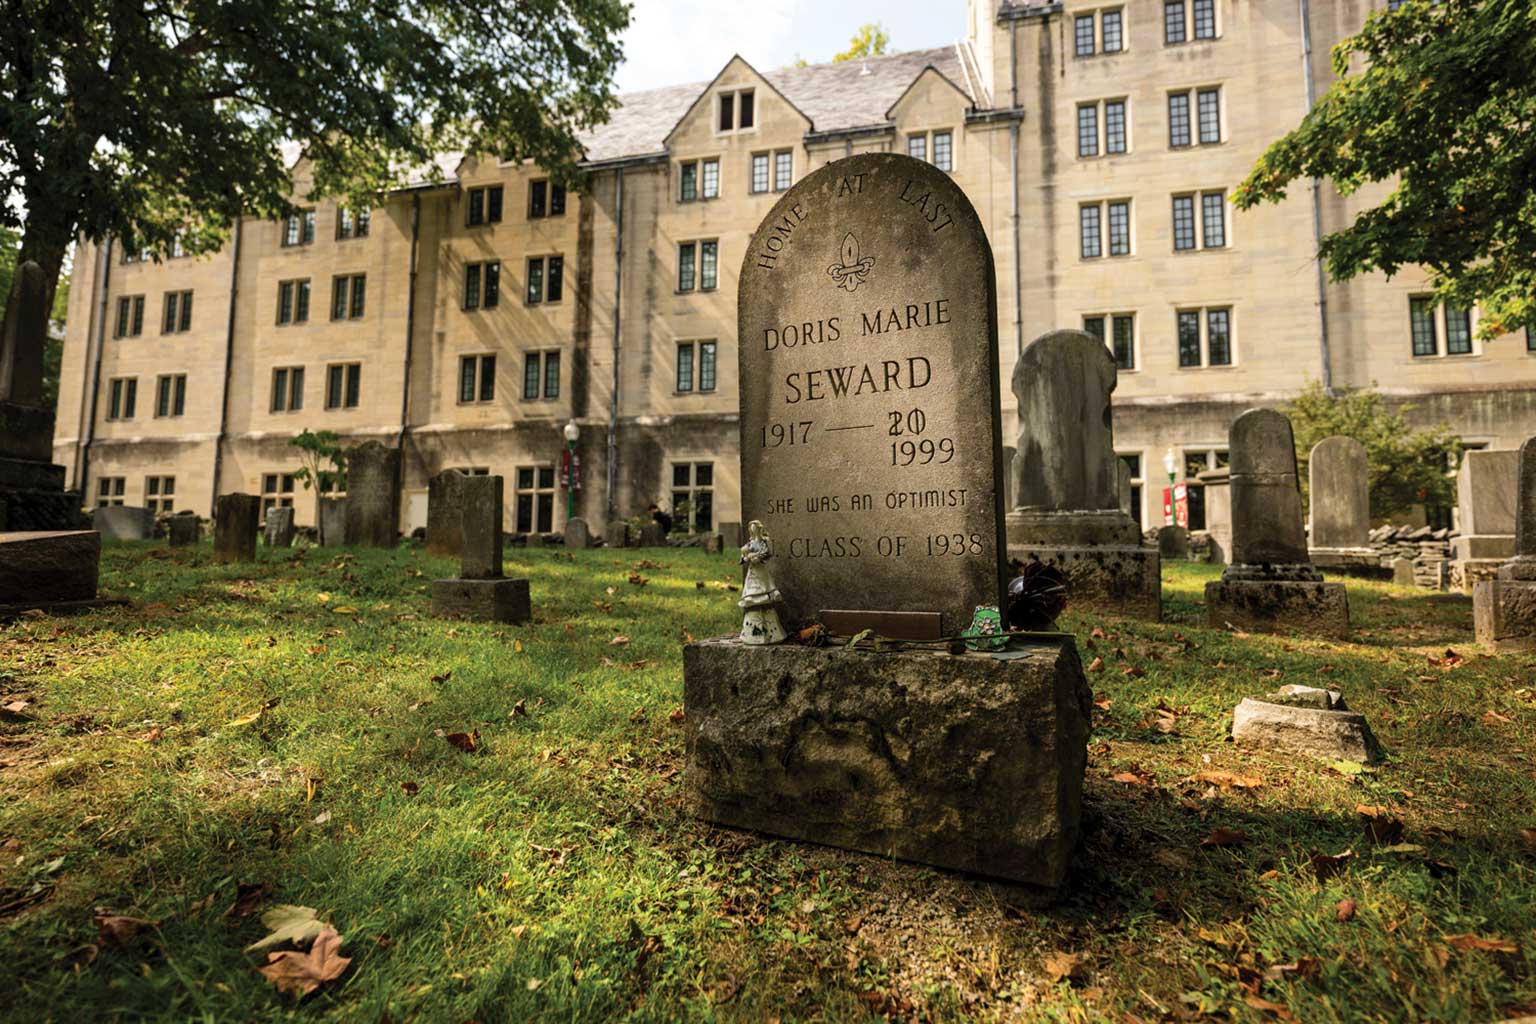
1504	608
870	450
1067	510
1338	473
1271	585
870	437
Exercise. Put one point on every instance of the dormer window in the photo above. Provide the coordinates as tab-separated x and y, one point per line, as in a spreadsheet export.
738	110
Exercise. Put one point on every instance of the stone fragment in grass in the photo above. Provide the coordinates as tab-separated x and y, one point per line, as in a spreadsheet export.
1317	732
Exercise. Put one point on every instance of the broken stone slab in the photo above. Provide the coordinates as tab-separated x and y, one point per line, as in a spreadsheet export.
970	762
653	536
279	529
183	530
51	566
1335	735
485	600
1278	606
1122	579
1297	696
123	522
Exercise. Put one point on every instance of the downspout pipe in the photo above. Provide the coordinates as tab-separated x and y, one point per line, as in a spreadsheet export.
229	357
618	294
410	325
1013	178
1324	353
88	431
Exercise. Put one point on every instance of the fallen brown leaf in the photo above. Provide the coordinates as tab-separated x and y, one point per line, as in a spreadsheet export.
1259	1003
1223	836
248	896
299	974
465	741
1104	703
1135	671
1066	967
1096	665
410	788
1227	780
1495	944
519	709
1494	718
677	716
618	641
1344	910
118	930
1528	839
1131	778
1328	865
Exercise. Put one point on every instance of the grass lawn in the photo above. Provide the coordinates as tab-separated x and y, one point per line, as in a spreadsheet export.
249	736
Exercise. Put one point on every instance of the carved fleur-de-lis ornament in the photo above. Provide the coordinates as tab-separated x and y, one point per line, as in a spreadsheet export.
850	272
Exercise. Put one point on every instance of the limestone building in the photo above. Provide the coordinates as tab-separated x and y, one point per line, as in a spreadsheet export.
472	315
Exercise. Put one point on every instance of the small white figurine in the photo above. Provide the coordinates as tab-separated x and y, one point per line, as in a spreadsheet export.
759	594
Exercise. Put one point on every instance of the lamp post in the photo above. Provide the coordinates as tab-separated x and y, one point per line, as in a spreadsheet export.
1170	462
572	435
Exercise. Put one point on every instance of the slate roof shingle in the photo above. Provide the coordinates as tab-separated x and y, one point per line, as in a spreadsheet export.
836	97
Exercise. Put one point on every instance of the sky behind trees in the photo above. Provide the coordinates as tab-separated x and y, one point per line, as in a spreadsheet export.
670	42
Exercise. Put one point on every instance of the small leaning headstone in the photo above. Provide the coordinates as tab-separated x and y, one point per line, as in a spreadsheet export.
616	534
1271	584
236	521
1067	510
1487	486
279	528
480	591
1338	473
123	522
183	530
578	536
1504	608
373	496
445	513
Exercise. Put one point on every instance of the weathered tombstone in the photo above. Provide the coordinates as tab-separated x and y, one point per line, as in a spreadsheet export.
1218	511
123	522
183	530
616	534
332	525
445	513
1270	585
1173	543
373	496
1067	510
480	591
279	528
1338	474
1305	720
45	569
533	540
578	536
32	495
236	519
1402	572
1504	608
714	543
1486	496
870	451
731	536
652	536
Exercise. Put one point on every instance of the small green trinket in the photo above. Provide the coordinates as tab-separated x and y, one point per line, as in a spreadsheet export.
985	632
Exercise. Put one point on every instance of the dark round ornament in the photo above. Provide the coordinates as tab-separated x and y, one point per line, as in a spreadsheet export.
1035	597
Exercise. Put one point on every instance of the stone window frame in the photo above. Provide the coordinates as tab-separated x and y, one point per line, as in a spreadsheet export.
1198	212
297	229
478	371
170	396
176	312
760	161
349	296
700	357
1106	327
538	484
484	205
293	298
1437	317
160	494
1097	37
554	195
277	491
123	399
691	488
352	224
542	368
695	250
783	169
1138	482
482	286
1106	243
694	177
110	491
1102	138
731	99
1203	320
930	148
544	283
130	317
287	390
343	386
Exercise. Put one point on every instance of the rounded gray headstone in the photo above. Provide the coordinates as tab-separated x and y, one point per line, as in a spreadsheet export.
870	441
1066	449
1338	472
1267	526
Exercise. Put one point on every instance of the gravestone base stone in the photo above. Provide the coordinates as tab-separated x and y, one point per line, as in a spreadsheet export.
39	569
652	536
493	600
1504	608
1357	563
1106	566
235	524
123	522
183	530
972	762
731	535
279	529
616	535
332	525
1278	599
1327	732
1472	571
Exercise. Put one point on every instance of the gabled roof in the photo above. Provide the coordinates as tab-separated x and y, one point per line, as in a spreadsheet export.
704	93
835	97
913	85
